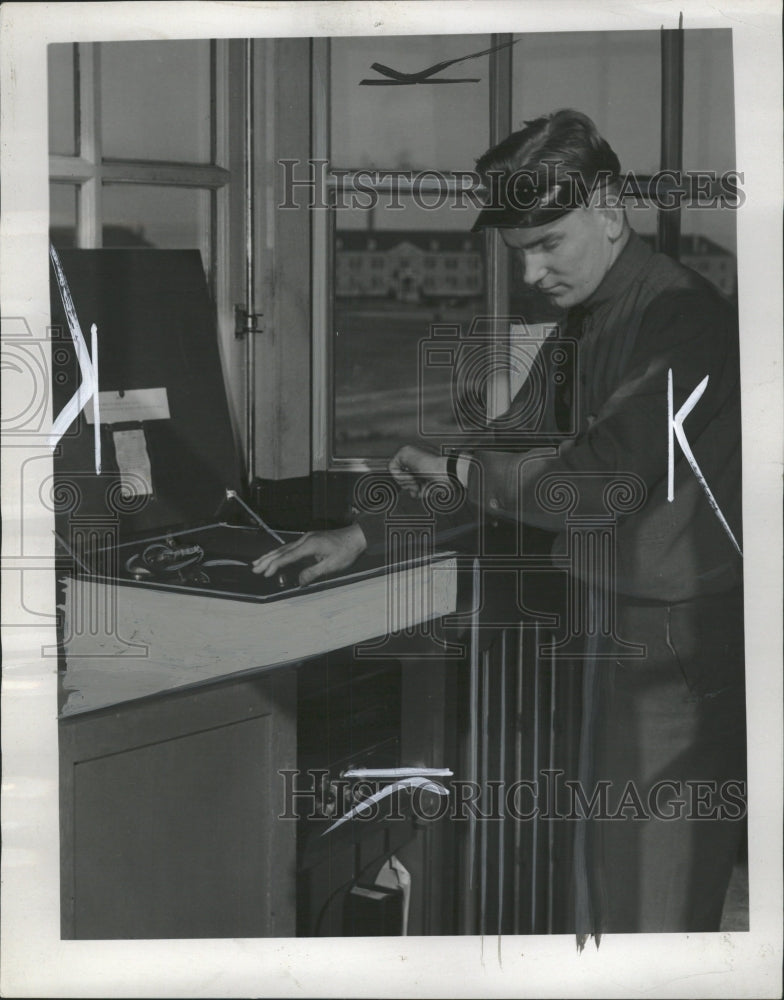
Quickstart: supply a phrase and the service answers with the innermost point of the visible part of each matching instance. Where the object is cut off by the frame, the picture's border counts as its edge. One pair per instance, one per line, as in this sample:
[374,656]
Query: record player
[158,546]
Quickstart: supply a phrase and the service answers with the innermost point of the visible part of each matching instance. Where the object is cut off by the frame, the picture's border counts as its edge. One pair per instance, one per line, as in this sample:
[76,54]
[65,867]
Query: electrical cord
[167,559]
[352,881]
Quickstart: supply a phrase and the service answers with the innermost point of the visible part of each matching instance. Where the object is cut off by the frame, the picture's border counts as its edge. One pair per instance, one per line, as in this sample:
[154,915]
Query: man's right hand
[413,468]
[333,551]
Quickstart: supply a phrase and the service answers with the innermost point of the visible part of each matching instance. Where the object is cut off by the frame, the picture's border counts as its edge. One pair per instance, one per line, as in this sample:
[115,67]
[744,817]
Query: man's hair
[567,138]
[554,165]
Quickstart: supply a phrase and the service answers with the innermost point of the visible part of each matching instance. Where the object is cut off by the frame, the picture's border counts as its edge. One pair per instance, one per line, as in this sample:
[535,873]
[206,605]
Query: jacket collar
[628,264]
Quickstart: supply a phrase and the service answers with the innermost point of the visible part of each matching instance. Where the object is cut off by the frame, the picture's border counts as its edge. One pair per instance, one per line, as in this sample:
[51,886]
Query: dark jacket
[649,316]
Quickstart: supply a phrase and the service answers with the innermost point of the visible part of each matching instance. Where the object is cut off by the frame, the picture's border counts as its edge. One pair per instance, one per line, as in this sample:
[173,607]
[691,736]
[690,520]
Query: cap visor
[514,218]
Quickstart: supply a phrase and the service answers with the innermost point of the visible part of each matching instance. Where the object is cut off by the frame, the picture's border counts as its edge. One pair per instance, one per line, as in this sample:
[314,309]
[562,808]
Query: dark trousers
[665,736]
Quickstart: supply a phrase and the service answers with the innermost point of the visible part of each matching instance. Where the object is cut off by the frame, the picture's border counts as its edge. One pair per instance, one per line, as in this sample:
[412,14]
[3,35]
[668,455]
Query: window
[143,169]
[139,148]
[611,76]
[709,143]
[374,330]
[412,128]
[370,358]
[376,347]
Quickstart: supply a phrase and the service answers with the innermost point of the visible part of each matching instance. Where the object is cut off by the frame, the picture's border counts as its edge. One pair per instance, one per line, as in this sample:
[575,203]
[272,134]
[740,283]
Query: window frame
[222,232]
[88,170]
[496,281]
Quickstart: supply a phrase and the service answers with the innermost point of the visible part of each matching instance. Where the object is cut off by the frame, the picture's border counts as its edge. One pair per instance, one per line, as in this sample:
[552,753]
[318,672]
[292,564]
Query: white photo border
[35,961]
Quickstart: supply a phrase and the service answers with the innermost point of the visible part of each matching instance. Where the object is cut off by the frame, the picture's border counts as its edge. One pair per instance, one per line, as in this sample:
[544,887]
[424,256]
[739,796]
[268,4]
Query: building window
[374,377]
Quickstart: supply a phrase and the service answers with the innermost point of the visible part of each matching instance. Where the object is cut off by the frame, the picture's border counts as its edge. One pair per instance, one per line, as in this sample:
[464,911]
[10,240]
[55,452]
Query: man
[654,406]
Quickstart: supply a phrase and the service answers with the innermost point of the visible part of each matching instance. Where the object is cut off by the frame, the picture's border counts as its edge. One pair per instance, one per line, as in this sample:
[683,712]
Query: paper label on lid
[130,448]
[130,406]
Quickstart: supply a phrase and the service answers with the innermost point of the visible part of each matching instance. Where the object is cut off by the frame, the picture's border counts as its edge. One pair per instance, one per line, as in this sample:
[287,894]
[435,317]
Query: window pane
[142,215]
[62,109]
[62,214]
[714,260]
[391,282]
[442,126]
[615,78]
[708,101]
[708,243]
[155,100]
[612,76]
[709,125]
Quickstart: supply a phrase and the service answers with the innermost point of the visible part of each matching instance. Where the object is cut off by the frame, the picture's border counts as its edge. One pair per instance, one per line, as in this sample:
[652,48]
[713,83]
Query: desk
[170,792]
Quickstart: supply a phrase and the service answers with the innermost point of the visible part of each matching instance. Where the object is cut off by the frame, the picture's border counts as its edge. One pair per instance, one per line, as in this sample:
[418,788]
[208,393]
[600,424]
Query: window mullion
[220,158]
[69,169]
[228,223]
[322,224]
[90,216]
[402,182]
[160,173]
[497,260]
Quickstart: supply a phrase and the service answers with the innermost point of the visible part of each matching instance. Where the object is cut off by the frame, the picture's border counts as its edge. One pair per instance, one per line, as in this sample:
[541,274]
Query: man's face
[565,259]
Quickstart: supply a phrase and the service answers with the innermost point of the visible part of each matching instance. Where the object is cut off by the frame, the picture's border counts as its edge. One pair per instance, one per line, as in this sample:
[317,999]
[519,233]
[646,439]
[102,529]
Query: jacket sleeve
[683,332]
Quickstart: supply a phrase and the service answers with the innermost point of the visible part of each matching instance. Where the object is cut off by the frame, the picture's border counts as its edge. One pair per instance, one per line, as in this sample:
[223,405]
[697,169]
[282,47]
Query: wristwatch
[451,468]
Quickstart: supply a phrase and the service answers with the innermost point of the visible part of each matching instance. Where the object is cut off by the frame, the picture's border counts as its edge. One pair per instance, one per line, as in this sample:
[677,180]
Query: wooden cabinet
[169,812]
[172,804]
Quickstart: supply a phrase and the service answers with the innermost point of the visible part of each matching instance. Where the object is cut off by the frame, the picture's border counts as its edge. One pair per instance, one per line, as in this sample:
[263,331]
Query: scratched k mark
[398,79]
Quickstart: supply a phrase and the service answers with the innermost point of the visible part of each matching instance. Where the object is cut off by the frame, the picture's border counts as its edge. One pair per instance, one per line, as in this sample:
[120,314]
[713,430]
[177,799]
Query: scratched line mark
[88,367]
[675,429]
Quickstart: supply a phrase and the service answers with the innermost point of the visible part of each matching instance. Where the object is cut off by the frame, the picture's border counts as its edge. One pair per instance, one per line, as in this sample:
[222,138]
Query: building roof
[454,240]
[426,240]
